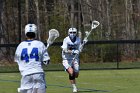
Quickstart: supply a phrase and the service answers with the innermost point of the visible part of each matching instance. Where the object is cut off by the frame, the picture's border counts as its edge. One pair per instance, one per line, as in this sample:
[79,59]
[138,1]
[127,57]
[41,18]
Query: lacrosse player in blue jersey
[30,55]
[70,55]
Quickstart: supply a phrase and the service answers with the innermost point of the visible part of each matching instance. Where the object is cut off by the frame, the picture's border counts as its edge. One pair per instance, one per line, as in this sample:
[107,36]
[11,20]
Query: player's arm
[64,47]
[17,52]
[70,51]
[46,57]
[80,46]
[66,50]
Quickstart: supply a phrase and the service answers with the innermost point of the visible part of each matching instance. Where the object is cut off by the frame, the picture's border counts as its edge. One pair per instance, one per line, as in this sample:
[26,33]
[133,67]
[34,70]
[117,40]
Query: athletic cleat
[75,90]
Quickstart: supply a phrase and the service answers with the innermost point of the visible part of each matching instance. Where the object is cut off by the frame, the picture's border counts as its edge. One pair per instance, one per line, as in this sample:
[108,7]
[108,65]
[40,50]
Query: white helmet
[72,33]
[72,30]
[30,28]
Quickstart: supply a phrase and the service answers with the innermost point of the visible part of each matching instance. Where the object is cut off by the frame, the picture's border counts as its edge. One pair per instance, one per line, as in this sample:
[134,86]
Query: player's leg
[72,78]
[76,74]
[76,68]
[22,90]
[30,91]
[39,83]
[43,90]
[26,91]
[70,71]
[26,84]
[38,90]
[68,66]
[73,82]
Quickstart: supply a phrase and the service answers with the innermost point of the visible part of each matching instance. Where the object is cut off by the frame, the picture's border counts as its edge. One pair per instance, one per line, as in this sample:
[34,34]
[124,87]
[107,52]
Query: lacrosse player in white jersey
[70,48]
[30,55]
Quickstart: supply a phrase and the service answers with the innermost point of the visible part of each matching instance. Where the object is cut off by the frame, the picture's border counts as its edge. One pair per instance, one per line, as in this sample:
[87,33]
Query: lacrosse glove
[75,52]
[46,62]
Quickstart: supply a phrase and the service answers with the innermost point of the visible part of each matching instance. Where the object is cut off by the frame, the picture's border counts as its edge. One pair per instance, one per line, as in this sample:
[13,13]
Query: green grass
[89,81]
[83,66]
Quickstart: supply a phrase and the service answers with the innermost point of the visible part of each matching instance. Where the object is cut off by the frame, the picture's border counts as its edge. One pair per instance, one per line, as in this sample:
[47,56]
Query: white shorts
[33,81]
[68,63]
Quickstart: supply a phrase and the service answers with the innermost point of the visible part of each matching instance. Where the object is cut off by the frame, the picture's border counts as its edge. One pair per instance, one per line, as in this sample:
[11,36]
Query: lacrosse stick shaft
[81,47]
[47,46]
[94,25]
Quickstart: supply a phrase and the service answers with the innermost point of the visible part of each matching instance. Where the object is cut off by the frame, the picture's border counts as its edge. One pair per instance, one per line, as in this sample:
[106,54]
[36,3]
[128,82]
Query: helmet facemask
[72,33]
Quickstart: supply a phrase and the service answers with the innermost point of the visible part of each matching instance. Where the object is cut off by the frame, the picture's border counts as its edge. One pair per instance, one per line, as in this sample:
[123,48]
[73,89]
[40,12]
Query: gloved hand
[85,40]
[46,62]
[75,51]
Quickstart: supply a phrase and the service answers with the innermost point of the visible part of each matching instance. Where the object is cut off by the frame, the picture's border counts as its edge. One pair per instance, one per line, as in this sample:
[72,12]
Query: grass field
[89,81]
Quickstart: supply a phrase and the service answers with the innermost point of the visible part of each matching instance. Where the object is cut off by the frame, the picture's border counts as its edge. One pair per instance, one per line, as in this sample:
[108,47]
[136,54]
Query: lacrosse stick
[53,34]
[94,25]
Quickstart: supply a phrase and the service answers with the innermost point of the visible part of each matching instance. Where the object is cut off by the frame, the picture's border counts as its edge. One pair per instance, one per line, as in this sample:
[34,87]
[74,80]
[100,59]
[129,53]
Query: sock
[73,85]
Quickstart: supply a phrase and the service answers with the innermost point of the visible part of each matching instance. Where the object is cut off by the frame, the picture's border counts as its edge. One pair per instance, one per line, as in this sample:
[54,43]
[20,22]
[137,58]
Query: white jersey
[29,55]
[69,45]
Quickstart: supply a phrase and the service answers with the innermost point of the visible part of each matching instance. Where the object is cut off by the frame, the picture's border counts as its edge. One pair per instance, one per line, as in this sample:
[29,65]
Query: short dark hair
[30,34]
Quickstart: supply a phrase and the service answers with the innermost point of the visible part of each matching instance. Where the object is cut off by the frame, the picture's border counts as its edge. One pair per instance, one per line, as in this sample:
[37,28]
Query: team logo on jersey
[29,44]
[72,46]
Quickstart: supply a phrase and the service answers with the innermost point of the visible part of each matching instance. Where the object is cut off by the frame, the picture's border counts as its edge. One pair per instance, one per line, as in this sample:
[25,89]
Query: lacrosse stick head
[53,34]
[94,24]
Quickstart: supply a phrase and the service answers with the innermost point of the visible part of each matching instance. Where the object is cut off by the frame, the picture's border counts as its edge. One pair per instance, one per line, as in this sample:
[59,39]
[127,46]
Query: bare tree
[38,18]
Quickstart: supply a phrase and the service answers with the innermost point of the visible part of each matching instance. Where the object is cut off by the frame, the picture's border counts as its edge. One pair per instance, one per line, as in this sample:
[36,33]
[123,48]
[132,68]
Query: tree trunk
[38,19]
